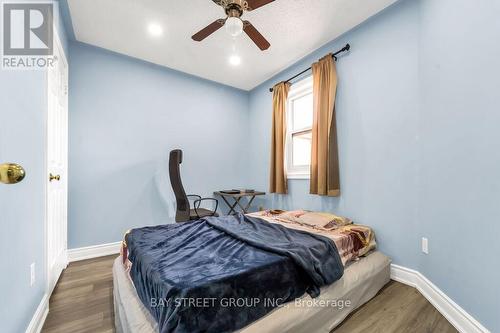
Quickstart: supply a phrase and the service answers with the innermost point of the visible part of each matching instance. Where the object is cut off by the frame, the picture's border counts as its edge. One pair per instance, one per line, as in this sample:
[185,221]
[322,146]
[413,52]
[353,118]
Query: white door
[57,165]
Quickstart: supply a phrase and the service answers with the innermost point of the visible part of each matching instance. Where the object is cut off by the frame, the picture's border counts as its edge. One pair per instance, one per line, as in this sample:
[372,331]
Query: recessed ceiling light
[155,29]
[235,60]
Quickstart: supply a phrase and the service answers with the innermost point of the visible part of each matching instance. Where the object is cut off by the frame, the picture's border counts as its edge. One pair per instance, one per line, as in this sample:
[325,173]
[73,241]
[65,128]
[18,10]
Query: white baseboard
[39,317]
[457,316]
[36,323]
[95,251]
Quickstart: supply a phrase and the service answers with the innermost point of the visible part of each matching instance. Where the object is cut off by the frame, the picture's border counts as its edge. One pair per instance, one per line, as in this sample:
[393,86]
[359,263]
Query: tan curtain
[278,181]
[324,155]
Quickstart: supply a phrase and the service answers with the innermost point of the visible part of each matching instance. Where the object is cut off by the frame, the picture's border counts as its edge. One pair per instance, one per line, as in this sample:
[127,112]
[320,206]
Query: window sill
[304,176]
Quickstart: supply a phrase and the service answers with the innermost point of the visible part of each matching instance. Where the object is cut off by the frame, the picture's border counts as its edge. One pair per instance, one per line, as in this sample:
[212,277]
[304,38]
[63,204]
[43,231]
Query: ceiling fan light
[234,26]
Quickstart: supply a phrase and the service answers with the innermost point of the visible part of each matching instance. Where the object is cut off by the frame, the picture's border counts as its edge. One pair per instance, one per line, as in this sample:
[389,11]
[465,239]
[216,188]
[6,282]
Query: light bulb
[234,26]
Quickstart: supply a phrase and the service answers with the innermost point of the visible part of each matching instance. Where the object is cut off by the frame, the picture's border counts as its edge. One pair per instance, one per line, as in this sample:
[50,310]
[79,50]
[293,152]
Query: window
[299,129]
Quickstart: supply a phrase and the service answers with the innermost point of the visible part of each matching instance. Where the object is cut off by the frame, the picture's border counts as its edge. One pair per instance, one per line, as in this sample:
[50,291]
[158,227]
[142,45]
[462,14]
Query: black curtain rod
[347,47]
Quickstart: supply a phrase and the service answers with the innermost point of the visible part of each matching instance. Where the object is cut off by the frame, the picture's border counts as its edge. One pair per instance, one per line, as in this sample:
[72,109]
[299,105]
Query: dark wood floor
[83,302]
[397,308]
[83,299]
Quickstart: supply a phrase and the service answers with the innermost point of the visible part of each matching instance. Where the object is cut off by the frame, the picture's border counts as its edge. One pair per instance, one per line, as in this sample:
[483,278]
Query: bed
[354,275]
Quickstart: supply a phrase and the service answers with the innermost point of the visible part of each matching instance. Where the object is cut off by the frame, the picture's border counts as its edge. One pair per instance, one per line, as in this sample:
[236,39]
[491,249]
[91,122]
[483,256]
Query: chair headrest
[176,155]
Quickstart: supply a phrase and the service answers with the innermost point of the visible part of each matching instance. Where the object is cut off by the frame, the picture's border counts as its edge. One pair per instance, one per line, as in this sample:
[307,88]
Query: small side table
[236,197]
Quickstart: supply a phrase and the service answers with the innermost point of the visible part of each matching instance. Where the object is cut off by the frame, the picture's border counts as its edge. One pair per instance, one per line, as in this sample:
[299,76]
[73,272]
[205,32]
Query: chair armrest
[205,199]
[198,197]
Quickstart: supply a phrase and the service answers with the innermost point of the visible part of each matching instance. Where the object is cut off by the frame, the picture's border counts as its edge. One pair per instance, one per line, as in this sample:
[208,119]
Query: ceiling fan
[234,24]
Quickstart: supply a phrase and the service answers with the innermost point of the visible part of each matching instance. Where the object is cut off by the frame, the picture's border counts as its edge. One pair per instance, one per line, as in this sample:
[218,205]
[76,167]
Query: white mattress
[361,282]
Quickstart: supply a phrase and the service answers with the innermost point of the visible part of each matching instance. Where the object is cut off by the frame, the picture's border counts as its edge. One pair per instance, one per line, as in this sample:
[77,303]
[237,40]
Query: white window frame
[298,90]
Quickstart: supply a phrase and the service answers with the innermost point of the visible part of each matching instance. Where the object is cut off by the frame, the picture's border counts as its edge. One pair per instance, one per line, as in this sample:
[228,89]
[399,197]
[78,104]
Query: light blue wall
[23,111]
[126,115]
[418,138]
[417,112]
[22,206]
[459,192]
[377,112]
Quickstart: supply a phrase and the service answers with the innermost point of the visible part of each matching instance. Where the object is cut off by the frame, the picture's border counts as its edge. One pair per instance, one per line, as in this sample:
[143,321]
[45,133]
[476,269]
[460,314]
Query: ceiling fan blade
[256,36]
[254,4]
[207,31]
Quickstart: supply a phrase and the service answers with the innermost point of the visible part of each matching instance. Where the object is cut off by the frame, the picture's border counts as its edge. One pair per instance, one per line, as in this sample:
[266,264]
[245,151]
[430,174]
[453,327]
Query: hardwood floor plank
[82,302]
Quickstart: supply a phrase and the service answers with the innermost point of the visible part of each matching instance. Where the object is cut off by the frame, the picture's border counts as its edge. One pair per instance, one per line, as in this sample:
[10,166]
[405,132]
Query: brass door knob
[11,173]
[54,177]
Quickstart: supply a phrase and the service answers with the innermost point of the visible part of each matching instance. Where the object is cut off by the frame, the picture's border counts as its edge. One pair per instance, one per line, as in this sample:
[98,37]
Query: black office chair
[184,212]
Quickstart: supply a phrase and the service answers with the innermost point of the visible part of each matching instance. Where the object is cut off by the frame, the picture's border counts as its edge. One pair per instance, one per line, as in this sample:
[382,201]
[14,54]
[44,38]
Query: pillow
[316,219]
[292,215]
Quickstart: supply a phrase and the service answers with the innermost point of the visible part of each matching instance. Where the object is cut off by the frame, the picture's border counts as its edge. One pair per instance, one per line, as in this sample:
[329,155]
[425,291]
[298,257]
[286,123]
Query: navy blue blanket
[221,274]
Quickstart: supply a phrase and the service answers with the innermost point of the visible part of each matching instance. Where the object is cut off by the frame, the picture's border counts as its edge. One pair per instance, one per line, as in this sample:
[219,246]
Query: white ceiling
[294,28]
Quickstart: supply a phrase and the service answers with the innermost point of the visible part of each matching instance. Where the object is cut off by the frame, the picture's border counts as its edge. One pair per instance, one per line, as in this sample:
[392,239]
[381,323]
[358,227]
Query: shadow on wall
[164,189]
[134,196]
[300,189]
[152,202]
